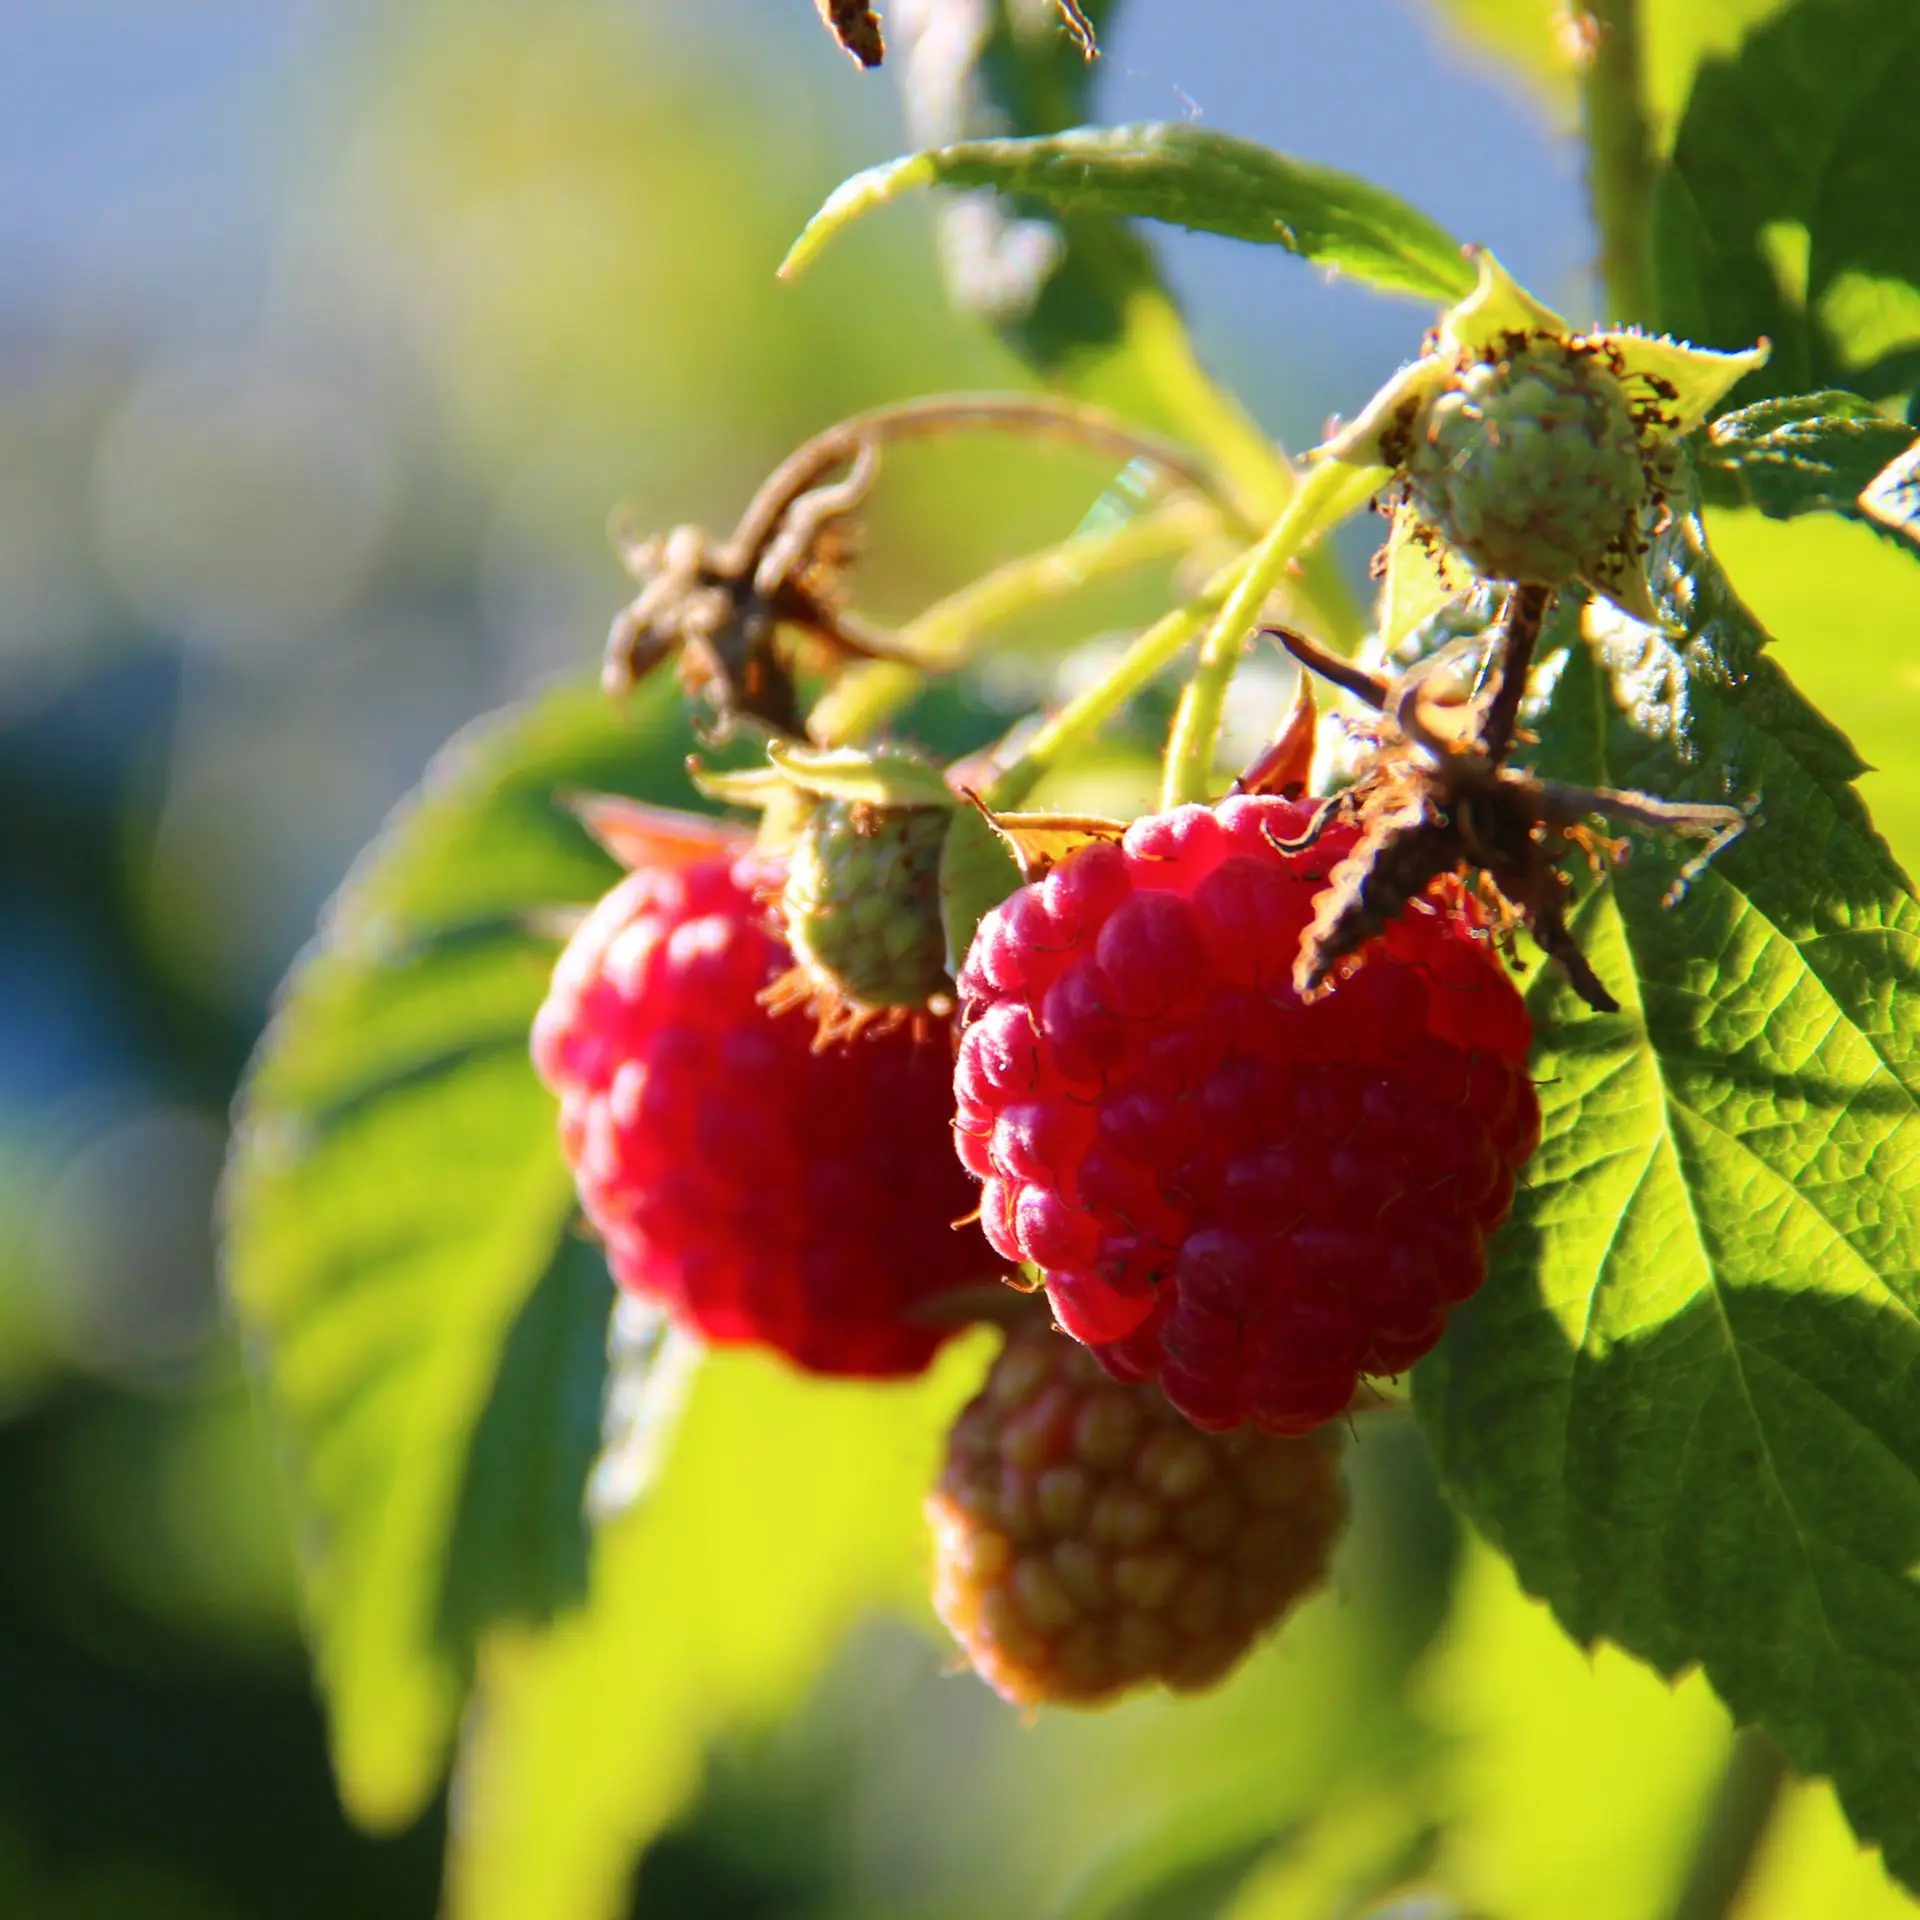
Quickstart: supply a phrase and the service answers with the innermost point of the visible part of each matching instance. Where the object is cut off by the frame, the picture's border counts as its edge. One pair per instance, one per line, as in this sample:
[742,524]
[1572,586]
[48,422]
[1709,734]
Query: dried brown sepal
[722,606]
[1285,764]
[839,1021]
[857,28]
[1437,803]
[1040,841]
[639,835]
[1074,19]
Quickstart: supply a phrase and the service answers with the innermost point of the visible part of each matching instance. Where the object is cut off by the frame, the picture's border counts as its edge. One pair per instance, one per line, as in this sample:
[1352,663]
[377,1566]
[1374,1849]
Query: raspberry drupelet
[1250,1198]
[1087,1540]
[761,1190]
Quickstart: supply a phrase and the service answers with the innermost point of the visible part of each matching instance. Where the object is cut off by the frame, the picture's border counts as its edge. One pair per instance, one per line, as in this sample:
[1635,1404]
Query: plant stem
[1148,657]
[1736,1822]
[939,638]
[1328,490]
[1620,162]
[1259,475]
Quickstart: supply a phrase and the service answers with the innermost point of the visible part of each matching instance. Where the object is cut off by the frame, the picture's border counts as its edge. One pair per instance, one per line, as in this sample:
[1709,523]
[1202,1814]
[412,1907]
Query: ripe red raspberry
[1251,1199]
[1088,1539]
[762,1191]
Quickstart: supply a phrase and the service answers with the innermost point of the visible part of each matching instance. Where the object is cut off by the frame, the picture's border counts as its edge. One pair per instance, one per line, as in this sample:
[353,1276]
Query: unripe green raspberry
[1088,1540]
[1530,465]
[862,903]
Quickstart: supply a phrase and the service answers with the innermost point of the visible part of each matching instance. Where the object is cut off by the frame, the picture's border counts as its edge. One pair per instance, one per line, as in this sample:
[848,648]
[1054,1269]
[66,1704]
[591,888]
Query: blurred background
[330,333]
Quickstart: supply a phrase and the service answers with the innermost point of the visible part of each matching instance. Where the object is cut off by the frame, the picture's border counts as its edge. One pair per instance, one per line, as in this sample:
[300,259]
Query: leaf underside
[425,1321]
[1190,176]
[1815,453]
[1685,1401]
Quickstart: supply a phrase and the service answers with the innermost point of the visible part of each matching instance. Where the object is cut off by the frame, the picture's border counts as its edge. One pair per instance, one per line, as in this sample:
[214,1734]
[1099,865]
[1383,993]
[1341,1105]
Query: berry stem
[1046,415]
[1620,162]
[1148,657]
[1526,613]
[1327,494]
[1733,1828]
[939,638]
[1257,472]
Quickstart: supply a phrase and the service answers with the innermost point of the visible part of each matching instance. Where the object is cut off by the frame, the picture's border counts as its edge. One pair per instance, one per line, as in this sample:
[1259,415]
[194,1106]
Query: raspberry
[1251,1198]
[1530,465]
[1088,1540]
[764,1192]
[862,903]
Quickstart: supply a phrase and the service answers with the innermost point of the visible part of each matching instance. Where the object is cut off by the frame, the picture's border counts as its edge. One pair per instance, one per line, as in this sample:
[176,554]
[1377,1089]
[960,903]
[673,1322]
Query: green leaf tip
[859,194]
[1186,176]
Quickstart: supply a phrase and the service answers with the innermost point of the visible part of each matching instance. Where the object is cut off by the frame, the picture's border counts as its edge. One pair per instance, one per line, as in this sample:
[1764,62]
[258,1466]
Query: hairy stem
[1257,472]
[1328,492]
[1046,415]
[1736,1823]
[1620,161]
[1526,614]
[946,633]
[1142,663]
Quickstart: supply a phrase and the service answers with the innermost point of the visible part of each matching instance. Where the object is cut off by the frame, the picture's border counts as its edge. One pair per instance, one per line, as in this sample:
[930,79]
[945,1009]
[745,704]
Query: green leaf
[1058,287]
[1812,453]
[1525,1783]
[1891,499]
[1076,292]
[1188,176]
[1683,1404]
[401,1250]
[1675,37]
[1786,209]
[793,1506]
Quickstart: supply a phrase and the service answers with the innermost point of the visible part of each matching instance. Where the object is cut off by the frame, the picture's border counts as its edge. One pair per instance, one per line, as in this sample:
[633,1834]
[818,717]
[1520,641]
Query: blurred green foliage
[520,268]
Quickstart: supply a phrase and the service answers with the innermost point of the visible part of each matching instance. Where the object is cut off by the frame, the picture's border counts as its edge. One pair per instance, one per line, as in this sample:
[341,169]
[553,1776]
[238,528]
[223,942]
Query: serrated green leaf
[399,1236]
[1891,499]
[1683,1404]
[793,1506]
[1786,208]
[1188,176]
[1811,453]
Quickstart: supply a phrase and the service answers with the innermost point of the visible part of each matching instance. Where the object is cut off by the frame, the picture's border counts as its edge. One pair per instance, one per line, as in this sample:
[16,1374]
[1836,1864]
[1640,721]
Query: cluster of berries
[1244,1087]
[1239,1201]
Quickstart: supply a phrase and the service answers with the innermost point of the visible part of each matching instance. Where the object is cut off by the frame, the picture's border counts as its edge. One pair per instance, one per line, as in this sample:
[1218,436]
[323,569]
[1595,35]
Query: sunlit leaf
[1539,39]
[792,1506]
[1812,453]
[1074,291]
[1843,607]
[1786,211]
[401,1247]
[1525,1785]
[1188,176]
[1683,1404]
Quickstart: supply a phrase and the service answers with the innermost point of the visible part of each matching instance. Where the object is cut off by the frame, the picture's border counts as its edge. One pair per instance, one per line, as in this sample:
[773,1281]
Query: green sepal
[883,779]
[977,872]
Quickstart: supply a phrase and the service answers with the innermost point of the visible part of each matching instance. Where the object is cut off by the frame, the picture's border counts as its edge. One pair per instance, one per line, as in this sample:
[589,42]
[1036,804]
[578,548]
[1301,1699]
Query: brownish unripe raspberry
[1088,1540]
